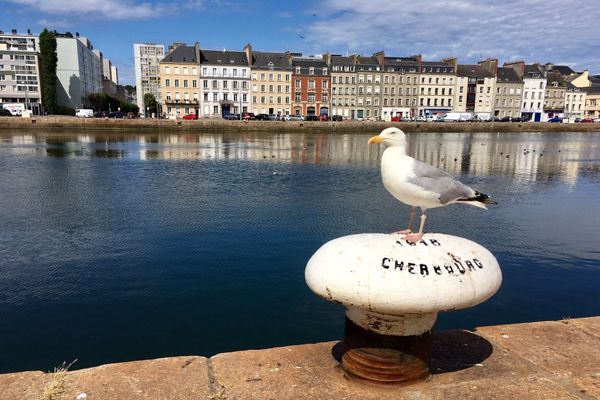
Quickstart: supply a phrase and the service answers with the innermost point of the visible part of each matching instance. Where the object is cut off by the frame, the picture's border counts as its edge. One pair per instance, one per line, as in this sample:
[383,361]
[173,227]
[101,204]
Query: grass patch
[55,386]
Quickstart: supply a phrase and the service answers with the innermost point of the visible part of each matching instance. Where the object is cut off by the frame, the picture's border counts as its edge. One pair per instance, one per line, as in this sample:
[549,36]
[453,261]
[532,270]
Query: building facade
[592,102]
[343,85]
[19,70]
[574,102]
[225,79]
[509,93]
[436,87]
[534,89]
[368,91]
[554,100]
[311,83]
[475,89]
[179,74]
[147,57]
[400,86]
[271,82]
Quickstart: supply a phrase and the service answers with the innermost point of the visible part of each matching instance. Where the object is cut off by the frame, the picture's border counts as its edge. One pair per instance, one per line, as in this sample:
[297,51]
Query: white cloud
[537,30]
[104,9]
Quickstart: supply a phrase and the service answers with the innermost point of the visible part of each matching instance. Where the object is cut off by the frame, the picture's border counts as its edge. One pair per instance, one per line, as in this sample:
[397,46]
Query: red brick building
[311,85]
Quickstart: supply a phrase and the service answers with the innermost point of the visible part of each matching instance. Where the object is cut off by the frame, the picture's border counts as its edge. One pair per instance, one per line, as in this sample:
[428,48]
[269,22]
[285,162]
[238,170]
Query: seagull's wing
[435,180]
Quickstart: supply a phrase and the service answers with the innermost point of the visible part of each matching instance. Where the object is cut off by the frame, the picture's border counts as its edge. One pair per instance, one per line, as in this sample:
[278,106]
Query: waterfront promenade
[541,360]
[67,124]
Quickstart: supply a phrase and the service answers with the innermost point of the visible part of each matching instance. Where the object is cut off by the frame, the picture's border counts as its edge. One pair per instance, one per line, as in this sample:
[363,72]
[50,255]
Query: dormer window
[298,70]
[311,71]
[324,71]
[271,65]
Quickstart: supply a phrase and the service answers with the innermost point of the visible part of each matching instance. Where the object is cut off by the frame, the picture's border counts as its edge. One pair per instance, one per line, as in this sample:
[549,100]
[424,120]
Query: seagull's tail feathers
[478,200]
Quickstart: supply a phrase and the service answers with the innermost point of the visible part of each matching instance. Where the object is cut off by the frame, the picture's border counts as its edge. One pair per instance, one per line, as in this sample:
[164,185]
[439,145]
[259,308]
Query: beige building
[400,86]
[271,82]
[574,102]
[179,74]
[508,90]
[592,102]
[475,90]
[436,87]
[343,85]
[554,101]
[368,90]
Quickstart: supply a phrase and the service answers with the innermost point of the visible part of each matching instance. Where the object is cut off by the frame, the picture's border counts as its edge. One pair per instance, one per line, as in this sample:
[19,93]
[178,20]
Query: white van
[457,117]
[84,113]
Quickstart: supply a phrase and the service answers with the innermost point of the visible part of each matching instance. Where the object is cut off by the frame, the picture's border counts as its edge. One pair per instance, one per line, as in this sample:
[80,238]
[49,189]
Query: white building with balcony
[225,83]
[19,71]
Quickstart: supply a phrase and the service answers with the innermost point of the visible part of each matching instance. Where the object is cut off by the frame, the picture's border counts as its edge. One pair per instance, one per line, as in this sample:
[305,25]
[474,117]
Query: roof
[591,90]
[533,71]
[224,57]
[563,69]
[401,64]
[263,59]
[473,71]
[555,77]
[305,64]
[341,60]
[437,67]
[182,54]
[507,75]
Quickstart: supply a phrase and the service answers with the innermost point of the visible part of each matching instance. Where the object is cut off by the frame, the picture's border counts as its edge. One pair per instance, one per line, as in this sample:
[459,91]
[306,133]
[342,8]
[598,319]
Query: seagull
[418,184]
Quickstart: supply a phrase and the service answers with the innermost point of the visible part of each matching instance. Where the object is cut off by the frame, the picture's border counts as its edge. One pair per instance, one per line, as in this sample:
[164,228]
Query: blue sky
[559,31]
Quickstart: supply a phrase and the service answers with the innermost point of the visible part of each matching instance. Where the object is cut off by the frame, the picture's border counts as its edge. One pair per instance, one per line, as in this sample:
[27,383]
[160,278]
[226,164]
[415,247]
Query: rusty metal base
[385,360]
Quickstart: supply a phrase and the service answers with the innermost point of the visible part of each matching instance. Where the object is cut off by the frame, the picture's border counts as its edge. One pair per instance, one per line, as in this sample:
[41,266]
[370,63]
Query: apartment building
[575,98]
[19,70]
[475,89]
[534,89]
[179,73]
[592,102]
[311,83]
[343,85]
[509,93]
[147,57]
[400,85]
[78,70]
[436,87]
[225,83]
[554,99]
[271,82]
[368,90]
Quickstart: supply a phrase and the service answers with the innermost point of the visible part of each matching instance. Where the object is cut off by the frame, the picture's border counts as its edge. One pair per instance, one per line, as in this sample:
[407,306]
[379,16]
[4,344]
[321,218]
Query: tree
[48,70]
[130,89]
[149,102]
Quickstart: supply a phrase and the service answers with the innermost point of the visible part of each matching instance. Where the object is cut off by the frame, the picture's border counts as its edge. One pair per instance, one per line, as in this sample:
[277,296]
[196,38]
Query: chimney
[76,34]
[490,65]
[518,66]
[452,61]
[197,52]
[419,59]
[327,58]
[248,51]
[14,31]
[380,55]
[29,31]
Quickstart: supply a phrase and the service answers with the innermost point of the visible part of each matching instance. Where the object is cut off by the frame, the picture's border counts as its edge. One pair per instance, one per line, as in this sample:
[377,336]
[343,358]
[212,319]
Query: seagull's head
[390,137]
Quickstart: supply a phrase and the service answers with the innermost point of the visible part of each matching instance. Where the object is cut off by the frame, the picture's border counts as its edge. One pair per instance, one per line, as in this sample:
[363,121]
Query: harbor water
[117,247]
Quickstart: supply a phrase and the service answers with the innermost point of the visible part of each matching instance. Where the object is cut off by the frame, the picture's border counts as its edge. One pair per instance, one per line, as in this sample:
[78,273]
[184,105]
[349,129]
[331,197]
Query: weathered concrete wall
[542,360]
[65,123]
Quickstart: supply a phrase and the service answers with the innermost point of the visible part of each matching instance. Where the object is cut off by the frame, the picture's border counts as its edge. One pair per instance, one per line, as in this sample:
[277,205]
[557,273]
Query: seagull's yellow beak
[376,139]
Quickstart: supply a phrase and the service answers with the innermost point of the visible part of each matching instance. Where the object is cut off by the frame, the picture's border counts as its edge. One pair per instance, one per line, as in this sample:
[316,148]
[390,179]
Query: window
[185,70]
[298,99]
[324,86]
[298,84]
[185,83]
[176,70]
[311,84]
[311,97]
[311,70]
[167,82]
[167,70]
[194,83]
[176,82]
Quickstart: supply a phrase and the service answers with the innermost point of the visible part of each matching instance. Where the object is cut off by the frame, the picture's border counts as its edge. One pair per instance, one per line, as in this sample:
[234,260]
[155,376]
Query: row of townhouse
[81,70]
[213,83]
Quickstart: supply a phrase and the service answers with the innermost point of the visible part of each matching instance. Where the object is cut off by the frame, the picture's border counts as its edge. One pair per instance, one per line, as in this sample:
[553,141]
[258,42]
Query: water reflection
[524,156]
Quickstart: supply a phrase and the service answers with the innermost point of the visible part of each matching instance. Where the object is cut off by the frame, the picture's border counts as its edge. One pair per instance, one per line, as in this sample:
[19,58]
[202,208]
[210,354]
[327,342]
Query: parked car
[587,120]
[272,117]
[421,118]
[115,114]
[248,116]
[262,117]
[231,117]
[323,117]
[337,118]
[555,119]
[190,116]
[101,114]
[296,118]
[311,118]
[5,113]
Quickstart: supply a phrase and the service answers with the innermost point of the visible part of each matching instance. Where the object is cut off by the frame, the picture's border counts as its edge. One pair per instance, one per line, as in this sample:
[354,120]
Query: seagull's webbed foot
[413,237]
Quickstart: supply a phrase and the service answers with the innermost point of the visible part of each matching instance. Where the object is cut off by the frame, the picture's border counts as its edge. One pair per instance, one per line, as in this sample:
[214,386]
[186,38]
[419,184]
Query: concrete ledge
[67,123]
[541,360]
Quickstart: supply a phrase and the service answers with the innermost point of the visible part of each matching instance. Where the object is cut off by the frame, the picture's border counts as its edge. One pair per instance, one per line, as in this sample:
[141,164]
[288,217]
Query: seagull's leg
[415,237]
[410,222]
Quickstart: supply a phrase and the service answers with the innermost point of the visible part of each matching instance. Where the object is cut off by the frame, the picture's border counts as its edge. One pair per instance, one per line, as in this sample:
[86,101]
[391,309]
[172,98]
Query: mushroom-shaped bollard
[393,290]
